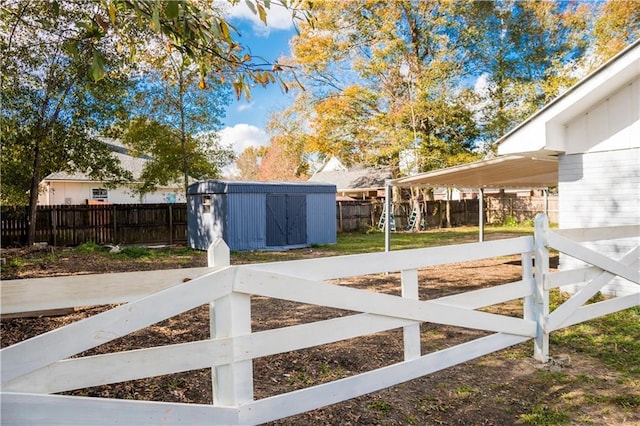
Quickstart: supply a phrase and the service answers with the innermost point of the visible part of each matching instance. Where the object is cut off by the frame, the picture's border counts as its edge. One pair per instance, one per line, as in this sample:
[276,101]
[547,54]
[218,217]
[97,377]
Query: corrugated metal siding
[203,228]
[239,214]
[600,189]
[246,221]
[321,219]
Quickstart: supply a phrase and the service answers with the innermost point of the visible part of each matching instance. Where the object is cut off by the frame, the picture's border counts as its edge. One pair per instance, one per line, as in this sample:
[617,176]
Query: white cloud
[242,136]
[245,106]
[278,17]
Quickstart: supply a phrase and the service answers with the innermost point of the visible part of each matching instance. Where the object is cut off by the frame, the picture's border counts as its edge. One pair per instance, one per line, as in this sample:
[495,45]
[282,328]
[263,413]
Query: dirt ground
[504,388]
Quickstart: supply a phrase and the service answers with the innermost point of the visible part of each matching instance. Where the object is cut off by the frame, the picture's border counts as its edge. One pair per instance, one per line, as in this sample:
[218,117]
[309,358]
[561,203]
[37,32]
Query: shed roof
[213,186]
[509,171]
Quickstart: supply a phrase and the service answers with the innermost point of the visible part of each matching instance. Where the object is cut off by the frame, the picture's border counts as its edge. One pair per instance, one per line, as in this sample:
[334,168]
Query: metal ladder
[412,219]
[383,218]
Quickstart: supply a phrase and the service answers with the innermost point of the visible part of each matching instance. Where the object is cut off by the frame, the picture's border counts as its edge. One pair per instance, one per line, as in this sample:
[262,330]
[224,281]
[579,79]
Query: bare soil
[504,388]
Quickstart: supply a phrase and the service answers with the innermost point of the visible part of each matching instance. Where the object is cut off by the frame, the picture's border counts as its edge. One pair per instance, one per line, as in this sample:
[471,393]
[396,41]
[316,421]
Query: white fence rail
[35,369]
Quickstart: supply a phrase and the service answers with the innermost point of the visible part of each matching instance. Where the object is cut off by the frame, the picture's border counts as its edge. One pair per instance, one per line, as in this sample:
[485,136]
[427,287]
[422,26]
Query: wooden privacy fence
[34,369]
[63,225]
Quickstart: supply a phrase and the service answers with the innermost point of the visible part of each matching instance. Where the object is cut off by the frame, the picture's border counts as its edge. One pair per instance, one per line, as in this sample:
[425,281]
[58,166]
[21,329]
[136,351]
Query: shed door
[286,219]
[297,219]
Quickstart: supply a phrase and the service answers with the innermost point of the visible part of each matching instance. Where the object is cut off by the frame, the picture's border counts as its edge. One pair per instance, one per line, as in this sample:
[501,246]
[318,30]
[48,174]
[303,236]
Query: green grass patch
[613,339]
[543,415]
[380,406]
[353,243]
[89,248]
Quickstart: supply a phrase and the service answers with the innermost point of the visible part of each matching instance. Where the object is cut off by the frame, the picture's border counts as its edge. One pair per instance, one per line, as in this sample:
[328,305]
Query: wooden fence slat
[570,276]
[76,373]
[393,261]
[598,309]
[488,296]
[76,224]
[88,333]
[38,294]
[319,293]
[564,311]
[284,405]
[576,250]
[599,233]
[29,409]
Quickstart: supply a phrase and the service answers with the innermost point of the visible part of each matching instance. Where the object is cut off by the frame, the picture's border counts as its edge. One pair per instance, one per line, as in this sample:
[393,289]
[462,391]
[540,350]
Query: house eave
[543,130]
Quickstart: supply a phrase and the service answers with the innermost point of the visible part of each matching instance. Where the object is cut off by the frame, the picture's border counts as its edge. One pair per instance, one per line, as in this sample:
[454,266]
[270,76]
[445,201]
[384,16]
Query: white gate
[33,370]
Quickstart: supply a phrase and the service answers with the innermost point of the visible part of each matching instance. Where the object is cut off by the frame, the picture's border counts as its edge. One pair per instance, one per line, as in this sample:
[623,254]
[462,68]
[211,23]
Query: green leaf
[171,9]
[71,47]
[97,66]
[155,19]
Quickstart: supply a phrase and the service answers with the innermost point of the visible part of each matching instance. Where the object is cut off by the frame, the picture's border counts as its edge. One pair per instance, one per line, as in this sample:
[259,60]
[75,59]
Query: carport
[508,171]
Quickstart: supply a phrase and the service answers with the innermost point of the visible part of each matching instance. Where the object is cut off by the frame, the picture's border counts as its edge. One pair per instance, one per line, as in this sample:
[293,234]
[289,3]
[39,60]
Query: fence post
[230,316]
[540,295]
[170,225]
[411,332]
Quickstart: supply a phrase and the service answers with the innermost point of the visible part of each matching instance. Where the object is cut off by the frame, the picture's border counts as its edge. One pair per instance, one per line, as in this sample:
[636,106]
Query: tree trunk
[33,195]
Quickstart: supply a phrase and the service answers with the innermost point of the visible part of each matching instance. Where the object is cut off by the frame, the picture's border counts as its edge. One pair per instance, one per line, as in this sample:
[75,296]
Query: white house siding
[611,124]
[54,193]
[599,176]
[601,189]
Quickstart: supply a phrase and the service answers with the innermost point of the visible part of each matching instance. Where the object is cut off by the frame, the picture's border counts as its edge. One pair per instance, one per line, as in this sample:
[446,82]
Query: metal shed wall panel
[245,224]
[203,228]
[321,219]
[304,214]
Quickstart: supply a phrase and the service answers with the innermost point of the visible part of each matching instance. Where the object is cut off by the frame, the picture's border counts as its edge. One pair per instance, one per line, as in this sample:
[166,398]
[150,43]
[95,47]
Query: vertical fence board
[70,225]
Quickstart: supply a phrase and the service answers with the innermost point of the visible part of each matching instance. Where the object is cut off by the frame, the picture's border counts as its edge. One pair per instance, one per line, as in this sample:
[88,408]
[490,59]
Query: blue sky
[246,119]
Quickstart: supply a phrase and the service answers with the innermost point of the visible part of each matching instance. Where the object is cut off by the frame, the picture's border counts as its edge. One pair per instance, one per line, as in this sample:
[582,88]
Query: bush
[510,222]
[89,247]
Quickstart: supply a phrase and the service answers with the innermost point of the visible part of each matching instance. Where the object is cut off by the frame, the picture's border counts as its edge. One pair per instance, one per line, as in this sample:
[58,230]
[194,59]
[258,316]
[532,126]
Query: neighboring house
[357,183]
[78,188]
[594,131]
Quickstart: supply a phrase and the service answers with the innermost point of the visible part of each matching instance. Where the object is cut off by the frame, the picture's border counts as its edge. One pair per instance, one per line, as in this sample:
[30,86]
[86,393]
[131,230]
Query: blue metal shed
[261,215]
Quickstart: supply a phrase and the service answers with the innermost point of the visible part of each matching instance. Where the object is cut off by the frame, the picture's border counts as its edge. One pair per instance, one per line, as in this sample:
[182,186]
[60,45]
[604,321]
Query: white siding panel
[601,189]
[611,124]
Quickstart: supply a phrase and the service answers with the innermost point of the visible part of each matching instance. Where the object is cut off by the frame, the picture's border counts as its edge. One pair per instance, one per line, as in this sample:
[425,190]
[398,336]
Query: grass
[545,415]
[614,339]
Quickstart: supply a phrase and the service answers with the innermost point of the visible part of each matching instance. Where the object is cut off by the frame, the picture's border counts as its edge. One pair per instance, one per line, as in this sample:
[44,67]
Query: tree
[175,122]
[63,77]
[174,156]
[50,109]
[383,79]
[521,49]
[249,161]
[386,78]
[617,26]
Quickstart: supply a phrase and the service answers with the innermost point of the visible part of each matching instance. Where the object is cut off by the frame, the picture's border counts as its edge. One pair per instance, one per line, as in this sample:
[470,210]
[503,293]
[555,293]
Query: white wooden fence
[37,368]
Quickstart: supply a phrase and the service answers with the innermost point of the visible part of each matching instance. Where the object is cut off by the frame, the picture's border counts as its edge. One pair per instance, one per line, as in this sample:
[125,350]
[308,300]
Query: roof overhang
[544,130]
[509,171]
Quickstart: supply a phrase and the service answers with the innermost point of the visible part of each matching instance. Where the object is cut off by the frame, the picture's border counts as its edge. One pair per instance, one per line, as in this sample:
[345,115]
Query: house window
[99,194]
[206,204]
